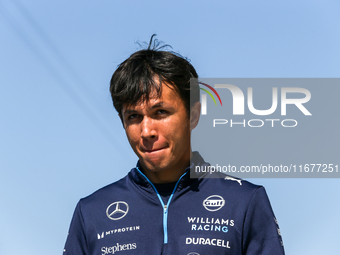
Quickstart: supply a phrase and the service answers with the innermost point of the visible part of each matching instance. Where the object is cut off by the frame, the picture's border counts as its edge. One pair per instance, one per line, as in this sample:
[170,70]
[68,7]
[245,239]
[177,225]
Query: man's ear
[195,112]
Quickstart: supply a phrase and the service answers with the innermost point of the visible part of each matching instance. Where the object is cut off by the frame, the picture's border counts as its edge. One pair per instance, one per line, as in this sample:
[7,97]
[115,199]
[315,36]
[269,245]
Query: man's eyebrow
[159,104]
[129,111]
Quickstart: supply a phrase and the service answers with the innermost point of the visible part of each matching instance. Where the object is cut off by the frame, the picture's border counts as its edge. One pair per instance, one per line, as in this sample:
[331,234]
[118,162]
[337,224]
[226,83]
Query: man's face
[159,132]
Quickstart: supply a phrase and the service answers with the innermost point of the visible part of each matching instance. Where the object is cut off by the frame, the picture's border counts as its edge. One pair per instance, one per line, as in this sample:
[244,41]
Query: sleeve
[260,231]
[76,243]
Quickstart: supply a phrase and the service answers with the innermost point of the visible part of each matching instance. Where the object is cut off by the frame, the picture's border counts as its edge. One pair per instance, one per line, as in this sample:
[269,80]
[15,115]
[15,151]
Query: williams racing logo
[213,203]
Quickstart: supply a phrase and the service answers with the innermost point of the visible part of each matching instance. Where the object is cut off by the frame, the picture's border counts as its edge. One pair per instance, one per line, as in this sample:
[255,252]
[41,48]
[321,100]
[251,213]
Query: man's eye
[133,116]
[161,112]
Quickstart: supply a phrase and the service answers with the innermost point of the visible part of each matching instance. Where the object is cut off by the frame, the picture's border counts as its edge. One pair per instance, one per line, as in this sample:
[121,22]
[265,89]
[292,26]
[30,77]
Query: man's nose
[148,128]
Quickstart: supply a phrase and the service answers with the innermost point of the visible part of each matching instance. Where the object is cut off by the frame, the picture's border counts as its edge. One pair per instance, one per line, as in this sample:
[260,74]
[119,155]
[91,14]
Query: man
[157,208]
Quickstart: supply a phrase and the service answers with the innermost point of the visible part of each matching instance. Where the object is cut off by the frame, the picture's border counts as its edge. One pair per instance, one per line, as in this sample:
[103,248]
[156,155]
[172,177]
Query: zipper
[165,207]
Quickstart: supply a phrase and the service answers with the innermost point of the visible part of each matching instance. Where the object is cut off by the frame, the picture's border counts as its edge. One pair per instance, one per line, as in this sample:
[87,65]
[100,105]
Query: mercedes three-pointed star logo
[117,210]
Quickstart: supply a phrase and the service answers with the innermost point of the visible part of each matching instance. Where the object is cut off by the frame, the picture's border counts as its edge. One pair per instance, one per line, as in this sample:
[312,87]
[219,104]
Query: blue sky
[61,139]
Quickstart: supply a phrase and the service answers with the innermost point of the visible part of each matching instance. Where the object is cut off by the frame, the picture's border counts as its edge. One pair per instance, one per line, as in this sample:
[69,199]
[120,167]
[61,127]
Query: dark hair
[145,71]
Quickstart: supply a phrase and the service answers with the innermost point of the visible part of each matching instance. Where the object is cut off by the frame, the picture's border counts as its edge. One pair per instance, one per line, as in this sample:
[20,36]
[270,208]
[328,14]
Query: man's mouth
[154,150]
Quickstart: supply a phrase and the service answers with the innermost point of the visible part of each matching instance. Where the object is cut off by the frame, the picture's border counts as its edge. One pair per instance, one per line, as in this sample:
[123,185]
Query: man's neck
[166,176]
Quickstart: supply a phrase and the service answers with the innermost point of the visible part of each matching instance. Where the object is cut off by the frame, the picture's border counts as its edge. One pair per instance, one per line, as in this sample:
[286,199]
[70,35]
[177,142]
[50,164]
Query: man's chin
[155,162]
[154,168]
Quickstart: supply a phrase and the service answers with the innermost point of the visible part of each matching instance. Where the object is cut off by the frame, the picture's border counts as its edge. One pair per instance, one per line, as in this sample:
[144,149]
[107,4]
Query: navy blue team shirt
[200,216]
